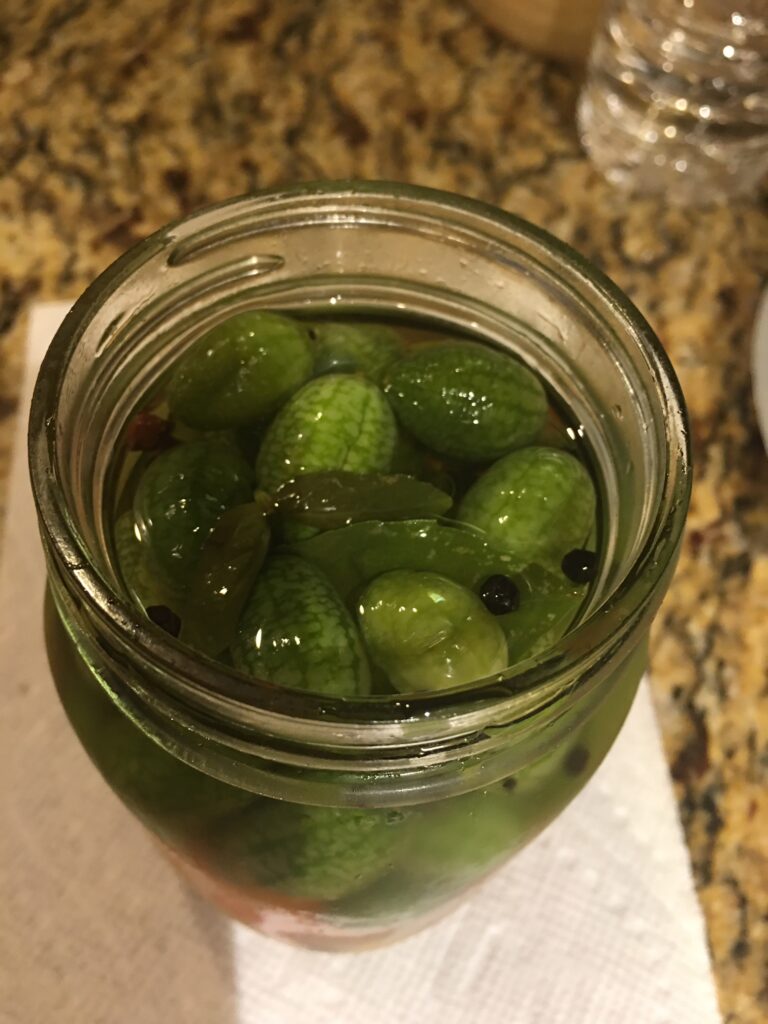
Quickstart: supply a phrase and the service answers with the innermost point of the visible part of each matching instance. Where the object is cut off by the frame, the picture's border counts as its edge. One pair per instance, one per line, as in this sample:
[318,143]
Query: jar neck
[388,759]
[372,247]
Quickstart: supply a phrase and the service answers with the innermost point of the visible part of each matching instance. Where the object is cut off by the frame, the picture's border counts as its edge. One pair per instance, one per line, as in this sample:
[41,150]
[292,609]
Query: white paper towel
[596,922]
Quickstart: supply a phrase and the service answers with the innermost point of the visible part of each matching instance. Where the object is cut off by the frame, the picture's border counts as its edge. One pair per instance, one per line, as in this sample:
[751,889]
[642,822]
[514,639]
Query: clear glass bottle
[243,782]
[676,97]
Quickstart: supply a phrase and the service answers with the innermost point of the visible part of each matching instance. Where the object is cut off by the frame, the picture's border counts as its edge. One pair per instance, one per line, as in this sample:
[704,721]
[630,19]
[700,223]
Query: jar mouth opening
[214,688]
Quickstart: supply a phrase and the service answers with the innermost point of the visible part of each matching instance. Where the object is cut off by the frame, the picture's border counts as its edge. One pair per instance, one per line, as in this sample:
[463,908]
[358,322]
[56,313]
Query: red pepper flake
[148,433]
[272,912]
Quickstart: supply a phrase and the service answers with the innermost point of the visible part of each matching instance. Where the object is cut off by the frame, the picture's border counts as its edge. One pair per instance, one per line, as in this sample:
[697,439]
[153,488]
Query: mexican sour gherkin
[537,504]
[295,631]
[240,372]
[336,422]
[429,633]
[466,401]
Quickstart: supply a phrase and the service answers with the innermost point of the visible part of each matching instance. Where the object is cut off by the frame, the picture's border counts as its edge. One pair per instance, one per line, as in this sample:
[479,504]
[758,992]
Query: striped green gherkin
[338,422]
[295,631]
[466,401]
[535,504]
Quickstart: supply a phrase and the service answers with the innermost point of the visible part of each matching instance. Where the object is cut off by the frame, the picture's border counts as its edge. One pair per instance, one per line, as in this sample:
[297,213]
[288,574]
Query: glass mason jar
[343,823]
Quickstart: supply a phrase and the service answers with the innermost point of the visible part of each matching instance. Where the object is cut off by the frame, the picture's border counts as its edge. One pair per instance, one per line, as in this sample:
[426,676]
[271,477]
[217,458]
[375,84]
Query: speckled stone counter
[117,118]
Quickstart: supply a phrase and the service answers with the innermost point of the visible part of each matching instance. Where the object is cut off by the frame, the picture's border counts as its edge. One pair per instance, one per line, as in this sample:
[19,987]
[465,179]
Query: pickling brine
[328,505]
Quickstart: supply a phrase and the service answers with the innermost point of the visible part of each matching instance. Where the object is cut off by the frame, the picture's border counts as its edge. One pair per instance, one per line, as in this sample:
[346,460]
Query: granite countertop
[118,118]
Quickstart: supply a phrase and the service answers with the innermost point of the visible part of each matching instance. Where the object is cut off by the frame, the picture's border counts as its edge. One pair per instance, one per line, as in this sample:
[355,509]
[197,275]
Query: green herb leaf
[353,555]
[230,561]
[329,500]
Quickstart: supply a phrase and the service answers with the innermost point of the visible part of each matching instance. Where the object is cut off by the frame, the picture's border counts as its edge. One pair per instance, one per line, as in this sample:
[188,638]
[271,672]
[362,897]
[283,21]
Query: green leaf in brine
[354,555]
[332,499]
[549,603]
[230,561]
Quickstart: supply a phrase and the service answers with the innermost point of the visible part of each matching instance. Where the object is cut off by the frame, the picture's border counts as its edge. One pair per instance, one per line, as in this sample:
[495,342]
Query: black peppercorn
[580,565]
[148,433]
[500,595]
[576,760]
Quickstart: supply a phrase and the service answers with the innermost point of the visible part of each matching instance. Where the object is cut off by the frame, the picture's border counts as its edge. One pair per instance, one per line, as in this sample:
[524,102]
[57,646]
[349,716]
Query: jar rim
[366,721]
